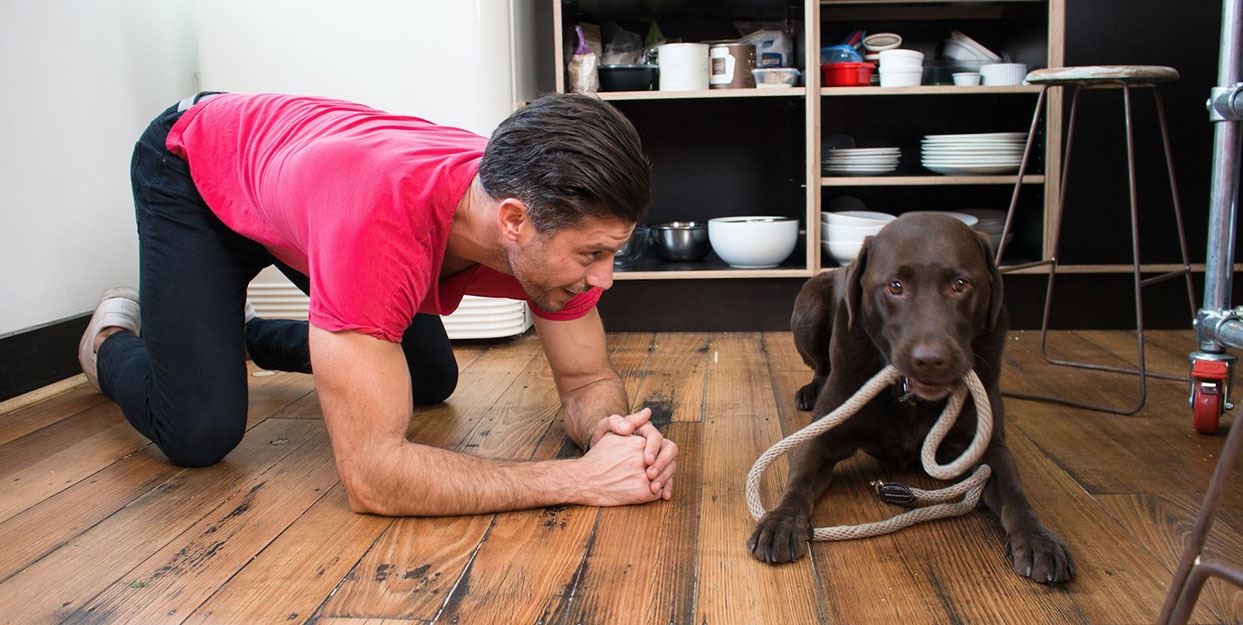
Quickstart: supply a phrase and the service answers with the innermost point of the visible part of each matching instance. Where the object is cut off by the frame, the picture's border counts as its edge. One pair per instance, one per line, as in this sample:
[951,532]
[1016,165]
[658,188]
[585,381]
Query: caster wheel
[1206,408]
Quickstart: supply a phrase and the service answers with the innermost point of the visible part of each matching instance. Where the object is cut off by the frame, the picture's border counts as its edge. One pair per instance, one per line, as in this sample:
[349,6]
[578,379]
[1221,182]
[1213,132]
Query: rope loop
[930,504]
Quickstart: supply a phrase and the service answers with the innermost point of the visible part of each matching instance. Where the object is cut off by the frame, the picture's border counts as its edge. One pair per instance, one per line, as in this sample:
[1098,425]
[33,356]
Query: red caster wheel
[1208,394]
[1206,407]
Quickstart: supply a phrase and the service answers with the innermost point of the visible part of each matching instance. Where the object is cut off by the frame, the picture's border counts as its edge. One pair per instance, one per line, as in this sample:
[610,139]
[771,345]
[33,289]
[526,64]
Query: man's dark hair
[566,157]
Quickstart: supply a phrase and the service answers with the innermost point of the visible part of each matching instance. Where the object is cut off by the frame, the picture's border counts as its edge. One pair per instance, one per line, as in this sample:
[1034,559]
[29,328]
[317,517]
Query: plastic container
[846,74]
[775,77]
[901,77]
[840,54]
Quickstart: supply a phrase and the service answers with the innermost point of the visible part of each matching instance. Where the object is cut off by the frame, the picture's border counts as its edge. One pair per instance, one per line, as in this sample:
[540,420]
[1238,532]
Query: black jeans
[183,383]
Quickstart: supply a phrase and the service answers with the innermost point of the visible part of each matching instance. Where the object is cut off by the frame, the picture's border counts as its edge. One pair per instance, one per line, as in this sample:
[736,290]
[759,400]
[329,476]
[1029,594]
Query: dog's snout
[930,359]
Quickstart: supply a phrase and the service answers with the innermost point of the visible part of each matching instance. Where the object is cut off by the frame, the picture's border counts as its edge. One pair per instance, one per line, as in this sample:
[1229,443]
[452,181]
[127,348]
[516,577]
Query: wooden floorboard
[97,527]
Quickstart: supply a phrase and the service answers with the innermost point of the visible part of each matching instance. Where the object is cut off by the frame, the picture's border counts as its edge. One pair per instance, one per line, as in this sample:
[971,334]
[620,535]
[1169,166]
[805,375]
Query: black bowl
[628,77]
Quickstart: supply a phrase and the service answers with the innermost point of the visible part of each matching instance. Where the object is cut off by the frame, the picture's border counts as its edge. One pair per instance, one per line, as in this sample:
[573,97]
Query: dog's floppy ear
[994,278]
[854,284]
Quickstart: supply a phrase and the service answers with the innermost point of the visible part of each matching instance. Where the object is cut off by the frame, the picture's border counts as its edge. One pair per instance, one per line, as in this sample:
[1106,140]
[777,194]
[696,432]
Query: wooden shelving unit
[820,103]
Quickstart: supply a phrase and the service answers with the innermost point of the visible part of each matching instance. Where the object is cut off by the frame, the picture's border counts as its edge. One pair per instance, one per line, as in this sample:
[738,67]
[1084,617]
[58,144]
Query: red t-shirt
[359,200]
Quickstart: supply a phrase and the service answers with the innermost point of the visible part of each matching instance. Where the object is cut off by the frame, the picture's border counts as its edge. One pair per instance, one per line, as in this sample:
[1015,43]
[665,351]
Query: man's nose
[600,275]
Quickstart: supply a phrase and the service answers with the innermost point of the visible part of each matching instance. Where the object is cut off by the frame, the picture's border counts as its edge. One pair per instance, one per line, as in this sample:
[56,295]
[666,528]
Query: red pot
[846,74]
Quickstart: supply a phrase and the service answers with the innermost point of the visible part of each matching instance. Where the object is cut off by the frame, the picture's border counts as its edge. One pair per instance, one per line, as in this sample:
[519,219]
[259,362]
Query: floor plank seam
[190,614]
[317,613]
[452,597]
[579,572]
[76,613]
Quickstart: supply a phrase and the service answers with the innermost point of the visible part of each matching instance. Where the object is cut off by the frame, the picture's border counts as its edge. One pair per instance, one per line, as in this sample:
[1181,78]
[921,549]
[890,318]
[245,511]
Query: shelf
[791,92]
[710,274]
[651,268]
[926,90]
[914,181]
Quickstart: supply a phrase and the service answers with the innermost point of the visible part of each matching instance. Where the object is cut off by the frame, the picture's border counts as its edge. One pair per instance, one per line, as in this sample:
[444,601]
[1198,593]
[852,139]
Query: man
[386,222]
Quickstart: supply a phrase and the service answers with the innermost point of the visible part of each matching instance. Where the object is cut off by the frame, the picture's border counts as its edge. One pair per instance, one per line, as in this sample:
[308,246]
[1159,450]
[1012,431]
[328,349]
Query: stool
[1125,78]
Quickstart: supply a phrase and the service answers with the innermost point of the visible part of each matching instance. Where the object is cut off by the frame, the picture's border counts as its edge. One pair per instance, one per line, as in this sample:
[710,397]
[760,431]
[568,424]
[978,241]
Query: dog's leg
[781,535]
[1035,551]
[812,325]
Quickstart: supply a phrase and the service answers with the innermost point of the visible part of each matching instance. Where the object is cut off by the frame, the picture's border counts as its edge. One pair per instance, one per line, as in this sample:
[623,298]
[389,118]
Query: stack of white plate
[973,154]
[991,223]
[842,232]
[861,161]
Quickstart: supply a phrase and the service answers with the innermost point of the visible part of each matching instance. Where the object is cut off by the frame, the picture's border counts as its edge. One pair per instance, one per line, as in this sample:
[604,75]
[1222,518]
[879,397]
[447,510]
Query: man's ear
[511,218]
[854,285]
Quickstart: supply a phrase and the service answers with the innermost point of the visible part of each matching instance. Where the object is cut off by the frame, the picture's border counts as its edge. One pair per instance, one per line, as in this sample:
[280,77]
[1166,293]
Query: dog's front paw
[780,536]
[807,395]
[1040,555]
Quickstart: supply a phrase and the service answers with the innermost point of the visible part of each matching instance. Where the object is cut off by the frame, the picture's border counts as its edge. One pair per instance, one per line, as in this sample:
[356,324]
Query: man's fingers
[668,490]
[658,484]
[638,419]
[668,451]
[653,439]
[620,425]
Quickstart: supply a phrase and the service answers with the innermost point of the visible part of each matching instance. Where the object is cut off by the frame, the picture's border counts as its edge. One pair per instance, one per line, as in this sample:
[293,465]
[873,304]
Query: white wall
[81,79]
[446,61]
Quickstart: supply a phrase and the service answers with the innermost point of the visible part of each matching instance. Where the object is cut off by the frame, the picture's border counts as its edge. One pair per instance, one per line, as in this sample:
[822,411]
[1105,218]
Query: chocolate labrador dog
[924,295]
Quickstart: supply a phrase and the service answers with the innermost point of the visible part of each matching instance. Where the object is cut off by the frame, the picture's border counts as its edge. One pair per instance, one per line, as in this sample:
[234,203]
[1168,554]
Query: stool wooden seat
[1125,79]
[1098,74]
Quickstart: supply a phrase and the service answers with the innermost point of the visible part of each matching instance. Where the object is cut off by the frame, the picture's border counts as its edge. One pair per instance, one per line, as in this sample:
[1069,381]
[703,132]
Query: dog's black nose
[929,359]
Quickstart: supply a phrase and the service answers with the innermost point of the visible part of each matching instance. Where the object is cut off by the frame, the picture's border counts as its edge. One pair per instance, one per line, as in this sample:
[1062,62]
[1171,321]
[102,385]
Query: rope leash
[934,502]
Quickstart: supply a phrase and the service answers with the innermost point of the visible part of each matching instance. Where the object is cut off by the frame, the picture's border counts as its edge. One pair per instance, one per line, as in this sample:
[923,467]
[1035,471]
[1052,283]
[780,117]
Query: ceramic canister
[731,66]
[683,66]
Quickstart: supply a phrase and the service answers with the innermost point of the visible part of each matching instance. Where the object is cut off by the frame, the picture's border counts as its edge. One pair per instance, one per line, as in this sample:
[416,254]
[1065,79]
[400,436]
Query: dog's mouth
[928,389]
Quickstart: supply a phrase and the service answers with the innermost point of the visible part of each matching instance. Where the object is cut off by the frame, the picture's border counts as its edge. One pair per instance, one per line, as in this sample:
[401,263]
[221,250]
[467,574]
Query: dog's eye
[894,288]
[961,285]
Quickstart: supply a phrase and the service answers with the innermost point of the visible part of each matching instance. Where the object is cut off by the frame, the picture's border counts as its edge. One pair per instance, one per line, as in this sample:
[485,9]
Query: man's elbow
[363,491]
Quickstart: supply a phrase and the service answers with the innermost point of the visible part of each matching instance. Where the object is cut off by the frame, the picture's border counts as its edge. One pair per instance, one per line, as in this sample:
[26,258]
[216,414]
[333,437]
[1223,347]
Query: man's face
[555,266]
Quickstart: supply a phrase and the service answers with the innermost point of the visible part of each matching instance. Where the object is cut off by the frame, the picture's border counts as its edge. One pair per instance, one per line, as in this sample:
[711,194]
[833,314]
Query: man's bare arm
[364,389]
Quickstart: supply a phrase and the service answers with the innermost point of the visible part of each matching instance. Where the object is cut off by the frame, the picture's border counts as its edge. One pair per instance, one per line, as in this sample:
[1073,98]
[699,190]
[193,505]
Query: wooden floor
[96,527]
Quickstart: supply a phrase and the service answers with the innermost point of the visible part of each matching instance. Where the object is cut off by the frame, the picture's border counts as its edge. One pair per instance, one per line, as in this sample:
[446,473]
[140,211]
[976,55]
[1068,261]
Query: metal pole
[1224,197]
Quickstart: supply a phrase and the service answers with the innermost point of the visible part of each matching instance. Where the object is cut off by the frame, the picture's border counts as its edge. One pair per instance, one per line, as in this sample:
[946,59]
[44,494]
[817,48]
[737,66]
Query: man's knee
[434,388]
[203,443]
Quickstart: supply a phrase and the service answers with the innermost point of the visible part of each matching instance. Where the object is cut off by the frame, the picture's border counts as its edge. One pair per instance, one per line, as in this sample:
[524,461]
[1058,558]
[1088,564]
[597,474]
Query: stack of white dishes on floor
[487,318]
[842,232]
[973,154]
[990,223]
[861,161]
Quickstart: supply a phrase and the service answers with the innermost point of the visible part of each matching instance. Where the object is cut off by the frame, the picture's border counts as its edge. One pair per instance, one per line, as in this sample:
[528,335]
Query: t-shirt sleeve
[578,306]
[369,269]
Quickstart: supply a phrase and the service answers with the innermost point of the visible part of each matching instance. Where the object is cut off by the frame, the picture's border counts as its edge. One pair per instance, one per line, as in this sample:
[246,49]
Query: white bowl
[839,232]
[966,79]
[899,57]
[901,77]
[877,42]
[753,242]
[856,218]
[1002,74]
[970,220]
[842,251]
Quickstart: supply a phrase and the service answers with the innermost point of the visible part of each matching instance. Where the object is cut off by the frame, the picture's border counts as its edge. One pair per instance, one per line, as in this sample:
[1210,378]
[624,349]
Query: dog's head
[923,289]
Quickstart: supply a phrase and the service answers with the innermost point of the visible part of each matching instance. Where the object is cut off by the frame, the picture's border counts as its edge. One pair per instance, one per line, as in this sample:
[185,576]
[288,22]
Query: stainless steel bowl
[680,241]
[634,248]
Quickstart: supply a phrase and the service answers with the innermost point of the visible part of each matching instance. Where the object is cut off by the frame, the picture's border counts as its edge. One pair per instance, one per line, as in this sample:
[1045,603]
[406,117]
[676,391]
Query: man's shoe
[116,308]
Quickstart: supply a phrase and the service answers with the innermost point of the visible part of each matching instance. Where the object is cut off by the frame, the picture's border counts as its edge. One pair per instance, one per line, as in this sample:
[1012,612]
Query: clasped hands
[632,459]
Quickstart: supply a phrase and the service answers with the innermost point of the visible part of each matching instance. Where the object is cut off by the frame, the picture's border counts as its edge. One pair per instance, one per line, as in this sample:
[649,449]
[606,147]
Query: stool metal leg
[1018,183]
[1178,207]
[1138,281]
